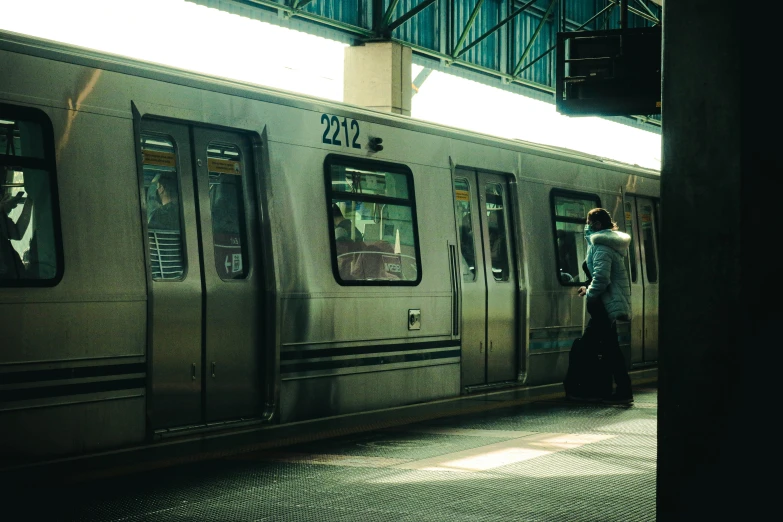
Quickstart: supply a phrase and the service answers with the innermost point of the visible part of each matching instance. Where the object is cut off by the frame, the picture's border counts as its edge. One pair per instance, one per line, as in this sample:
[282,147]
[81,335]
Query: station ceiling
[510,44]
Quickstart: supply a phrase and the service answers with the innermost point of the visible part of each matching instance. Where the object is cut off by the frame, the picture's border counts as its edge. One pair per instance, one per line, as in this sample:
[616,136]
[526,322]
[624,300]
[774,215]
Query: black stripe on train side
[361,358]
[60,382]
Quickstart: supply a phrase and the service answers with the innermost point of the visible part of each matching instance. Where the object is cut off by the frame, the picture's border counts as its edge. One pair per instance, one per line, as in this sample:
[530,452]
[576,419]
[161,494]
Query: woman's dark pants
[602,331]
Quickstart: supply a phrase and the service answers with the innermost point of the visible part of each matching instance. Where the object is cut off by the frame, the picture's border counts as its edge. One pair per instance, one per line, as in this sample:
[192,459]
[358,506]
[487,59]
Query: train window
[496,227]
[569,211]
[631,247]
[164,223]
[30,244]
[648,238]
[228,216]
[467,241]
[372,219]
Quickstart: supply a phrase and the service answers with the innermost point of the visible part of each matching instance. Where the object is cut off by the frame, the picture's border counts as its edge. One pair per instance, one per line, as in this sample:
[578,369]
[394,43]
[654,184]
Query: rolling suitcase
[588,376]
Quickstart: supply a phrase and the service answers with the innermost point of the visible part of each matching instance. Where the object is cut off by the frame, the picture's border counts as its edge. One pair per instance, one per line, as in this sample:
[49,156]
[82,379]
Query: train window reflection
[467,242]
[164,225]
[496,227]
[648,239]
[569,211]
[632,246]
[30,252]
[228,222]
[372,222]
[21,138]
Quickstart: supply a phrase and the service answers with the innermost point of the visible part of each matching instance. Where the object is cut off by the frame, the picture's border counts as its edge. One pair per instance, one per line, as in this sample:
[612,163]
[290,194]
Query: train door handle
[481,347]
[213,369]
[193,371]
[490,346]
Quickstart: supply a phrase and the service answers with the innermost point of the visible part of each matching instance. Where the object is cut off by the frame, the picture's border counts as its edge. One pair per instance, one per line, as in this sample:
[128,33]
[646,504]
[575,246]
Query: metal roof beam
[298,4]
[410,14]
[639,13]
[419,81]
[330,22]
[498,26]
[609,7]
[649,11]
[596,15]
[445,17]
[518,67]
[388,15]
[464,34]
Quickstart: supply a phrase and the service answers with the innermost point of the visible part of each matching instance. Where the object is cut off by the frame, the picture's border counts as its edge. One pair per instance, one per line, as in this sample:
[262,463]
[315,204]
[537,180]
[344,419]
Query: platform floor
[541,459]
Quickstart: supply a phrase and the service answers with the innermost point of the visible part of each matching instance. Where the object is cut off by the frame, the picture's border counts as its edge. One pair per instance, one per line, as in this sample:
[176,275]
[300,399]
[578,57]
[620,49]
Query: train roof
[50,49]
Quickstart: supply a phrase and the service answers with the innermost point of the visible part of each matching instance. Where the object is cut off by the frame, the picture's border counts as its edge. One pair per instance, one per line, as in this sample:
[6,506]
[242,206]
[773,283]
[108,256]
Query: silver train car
[169,263]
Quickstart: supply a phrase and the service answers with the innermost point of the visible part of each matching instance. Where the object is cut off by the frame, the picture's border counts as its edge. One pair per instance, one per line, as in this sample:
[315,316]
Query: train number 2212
[333,125]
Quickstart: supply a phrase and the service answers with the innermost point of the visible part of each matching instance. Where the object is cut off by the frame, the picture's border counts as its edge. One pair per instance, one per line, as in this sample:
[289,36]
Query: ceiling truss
[382,21]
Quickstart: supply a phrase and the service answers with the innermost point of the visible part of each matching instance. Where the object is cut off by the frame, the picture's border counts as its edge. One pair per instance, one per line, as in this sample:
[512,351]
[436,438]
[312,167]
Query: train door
[489,283]
[204,330]
[641,222]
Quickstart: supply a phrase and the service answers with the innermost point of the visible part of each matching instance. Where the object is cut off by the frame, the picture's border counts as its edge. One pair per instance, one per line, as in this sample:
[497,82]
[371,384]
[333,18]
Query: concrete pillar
[378,76]
[719,392]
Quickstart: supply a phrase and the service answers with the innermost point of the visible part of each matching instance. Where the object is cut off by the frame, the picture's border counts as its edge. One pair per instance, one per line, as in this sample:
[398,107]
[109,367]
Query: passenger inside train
[165,242]
[467,249]
[343,227]
[569,271]
[497,243]
[28,242]
[166,216]
[11,264]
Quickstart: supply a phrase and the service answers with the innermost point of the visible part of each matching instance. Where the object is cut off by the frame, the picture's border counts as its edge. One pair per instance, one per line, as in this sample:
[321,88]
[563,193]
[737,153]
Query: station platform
[522,454]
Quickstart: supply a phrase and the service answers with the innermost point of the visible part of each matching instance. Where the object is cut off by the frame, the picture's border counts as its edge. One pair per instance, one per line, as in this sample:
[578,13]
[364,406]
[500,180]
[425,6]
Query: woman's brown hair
[602,216]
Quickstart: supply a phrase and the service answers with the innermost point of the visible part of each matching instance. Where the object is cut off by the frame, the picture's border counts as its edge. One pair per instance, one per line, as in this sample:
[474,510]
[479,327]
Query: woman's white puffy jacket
[606,252]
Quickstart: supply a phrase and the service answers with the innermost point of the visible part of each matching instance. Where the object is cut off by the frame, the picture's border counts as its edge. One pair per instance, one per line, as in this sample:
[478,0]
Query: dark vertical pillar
[718,370]
[623,14]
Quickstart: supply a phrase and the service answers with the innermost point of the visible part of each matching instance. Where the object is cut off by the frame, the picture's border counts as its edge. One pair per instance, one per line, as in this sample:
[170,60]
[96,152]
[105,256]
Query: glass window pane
[571,249]
[648,237]
[496,227]
[372,224]
[347,218]
[21,138]
[573,207]
[379,249]
[362,181]
[161,185]
[631,247]
[467,242]
[570,214]
[228,219]
[29,250]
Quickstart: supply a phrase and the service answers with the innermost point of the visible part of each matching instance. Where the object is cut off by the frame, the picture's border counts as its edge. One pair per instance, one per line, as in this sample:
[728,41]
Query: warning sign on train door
[159,158]
[462,195]
[221,166]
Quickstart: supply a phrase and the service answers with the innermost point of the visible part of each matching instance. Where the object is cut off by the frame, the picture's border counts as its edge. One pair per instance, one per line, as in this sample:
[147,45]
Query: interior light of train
[156,142]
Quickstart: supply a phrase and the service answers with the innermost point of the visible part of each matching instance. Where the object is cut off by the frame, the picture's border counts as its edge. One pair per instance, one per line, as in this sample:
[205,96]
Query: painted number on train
[343,133]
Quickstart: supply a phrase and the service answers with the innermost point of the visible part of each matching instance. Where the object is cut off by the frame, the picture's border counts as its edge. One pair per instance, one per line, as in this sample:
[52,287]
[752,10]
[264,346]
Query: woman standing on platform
[608,296]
